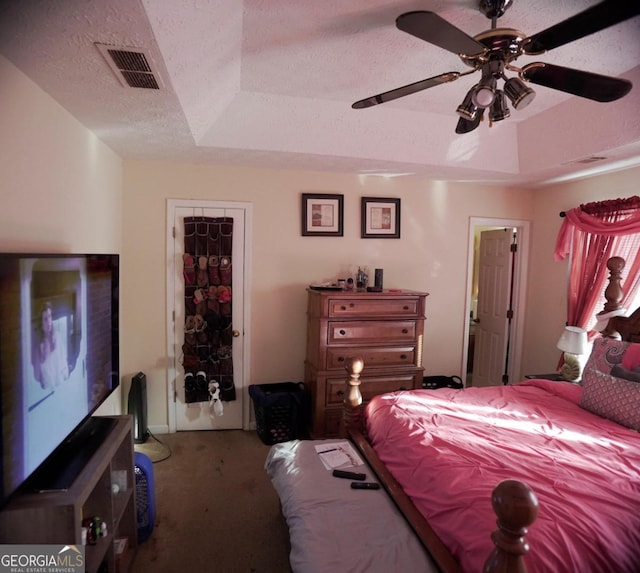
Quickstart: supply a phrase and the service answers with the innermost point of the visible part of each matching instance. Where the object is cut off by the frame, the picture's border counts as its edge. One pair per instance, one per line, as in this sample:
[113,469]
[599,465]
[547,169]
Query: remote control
[349,475]
[364,485]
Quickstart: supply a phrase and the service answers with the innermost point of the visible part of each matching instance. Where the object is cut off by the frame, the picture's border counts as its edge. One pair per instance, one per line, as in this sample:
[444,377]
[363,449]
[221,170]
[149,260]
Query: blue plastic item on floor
[145,495]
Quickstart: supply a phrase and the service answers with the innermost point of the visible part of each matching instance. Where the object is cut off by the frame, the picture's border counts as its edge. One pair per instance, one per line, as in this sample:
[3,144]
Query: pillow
[631,358]
[614,398]
[605,354]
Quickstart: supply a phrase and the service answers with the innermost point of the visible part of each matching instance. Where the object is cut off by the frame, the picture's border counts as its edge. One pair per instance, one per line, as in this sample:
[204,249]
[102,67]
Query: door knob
[235,333]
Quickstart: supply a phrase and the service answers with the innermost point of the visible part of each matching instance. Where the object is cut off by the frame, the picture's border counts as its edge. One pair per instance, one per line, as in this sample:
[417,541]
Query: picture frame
[322,215]
[380,218]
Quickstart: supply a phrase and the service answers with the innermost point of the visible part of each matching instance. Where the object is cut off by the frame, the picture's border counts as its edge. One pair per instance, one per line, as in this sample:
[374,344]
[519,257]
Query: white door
[203,415]
[494,298]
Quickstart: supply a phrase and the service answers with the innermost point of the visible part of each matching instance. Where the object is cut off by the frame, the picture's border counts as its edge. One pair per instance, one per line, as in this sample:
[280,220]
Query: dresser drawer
[371,331]
[370,386]
[373,357]
[374,307]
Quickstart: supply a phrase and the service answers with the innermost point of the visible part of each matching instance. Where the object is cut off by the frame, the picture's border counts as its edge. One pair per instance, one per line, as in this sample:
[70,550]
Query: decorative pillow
[614,398]
[605,354]
[631,358]
[611,381]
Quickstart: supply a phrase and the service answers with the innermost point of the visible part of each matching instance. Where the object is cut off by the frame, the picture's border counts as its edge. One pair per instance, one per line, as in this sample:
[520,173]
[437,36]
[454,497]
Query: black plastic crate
[281,411]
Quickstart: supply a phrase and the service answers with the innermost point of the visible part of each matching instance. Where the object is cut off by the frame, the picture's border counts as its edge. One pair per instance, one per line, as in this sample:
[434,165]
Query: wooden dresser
[385,329]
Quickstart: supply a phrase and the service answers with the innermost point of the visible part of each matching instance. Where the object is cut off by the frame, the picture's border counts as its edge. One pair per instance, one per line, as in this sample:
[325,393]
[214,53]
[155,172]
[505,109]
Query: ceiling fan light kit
[467,109]
[483,96]
[494,50]
[499,109]
[484,92]
[518,93]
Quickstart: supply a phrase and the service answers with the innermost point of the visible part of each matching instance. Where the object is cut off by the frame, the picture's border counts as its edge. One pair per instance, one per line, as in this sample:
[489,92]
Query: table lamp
[573,342]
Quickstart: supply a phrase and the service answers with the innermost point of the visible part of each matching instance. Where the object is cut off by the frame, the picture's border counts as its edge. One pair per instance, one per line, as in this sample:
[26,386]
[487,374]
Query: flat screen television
[58,363]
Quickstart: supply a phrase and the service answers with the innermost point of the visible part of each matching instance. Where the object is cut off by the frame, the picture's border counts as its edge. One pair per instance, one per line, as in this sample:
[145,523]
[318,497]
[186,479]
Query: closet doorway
[184,412]
[495,317]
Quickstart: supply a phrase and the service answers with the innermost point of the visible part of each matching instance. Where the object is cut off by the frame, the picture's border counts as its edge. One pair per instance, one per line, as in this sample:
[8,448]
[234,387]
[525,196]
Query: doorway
[506,353]
[183,413]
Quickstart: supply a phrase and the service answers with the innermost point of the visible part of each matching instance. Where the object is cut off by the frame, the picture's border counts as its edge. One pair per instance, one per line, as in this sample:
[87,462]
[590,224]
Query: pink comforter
[448,449]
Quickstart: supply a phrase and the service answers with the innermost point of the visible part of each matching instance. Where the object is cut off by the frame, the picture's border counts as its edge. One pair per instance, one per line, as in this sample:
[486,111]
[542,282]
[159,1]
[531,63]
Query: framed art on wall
[322,215]
[380,218]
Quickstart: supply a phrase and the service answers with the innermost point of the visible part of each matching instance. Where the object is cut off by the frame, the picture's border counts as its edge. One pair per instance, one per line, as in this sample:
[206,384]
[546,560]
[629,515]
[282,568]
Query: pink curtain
[591,234]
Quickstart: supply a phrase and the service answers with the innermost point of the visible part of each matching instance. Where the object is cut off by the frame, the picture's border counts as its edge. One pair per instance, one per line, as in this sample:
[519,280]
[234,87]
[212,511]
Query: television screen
[58,353]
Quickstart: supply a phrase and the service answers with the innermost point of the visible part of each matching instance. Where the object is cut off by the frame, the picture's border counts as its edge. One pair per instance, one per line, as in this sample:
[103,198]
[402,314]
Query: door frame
[172,204]
[520,271]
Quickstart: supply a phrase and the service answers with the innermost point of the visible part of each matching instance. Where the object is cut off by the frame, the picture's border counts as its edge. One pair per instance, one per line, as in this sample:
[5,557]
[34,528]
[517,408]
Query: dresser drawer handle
[405,307]
[403,357]
[402,388]
[340,393]
[405,331]
[342,332]
[341,358]
[343,307]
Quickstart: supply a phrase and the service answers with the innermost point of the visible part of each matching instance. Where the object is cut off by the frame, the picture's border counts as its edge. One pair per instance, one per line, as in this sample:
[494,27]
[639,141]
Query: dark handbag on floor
[434,382]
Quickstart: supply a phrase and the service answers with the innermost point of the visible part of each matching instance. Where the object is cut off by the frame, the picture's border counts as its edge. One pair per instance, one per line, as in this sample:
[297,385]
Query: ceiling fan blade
[583,84]
[431,28]
[406,90]
[589,21]
[467,125]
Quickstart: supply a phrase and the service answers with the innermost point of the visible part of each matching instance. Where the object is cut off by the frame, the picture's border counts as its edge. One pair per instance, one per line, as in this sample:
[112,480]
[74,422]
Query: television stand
[62,468]
[55,517]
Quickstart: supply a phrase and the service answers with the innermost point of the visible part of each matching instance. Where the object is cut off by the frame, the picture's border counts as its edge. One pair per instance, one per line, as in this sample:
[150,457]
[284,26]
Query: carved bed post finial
[352,403]
[613,294]
[516,506]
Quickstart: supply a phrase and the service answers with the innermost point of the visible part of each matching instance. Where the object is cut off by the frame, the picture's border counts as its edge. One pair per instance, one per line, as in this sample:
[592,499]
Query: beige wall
[431,256]
[61,187]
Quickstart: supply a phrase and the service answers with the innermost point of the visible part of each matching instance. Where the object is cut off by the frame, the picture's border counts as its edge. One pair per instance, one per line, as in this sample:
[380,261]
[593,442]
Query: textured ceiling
[270,83]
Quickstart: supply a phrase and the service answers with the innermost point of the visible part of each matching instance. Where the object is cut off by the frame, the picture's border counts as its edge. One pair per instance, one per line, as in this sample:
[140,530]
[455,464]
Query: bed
[559,464]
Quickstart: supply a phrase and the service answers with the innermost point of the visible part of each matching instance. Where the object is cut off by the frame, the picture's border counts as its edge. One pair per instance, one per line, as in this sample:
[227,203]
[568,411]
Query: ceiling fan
[493,52]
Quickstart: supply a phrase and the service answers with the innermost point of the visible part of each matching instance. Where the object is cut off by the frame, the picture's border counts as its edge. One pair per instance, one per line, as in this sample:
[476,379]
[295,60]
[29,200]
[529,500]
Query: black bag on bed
[434,382]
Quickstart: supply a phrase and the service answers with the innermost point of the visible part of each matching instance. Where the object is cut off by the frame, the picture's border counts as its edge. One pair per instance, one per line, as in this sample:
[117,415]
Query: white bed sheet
[335,528]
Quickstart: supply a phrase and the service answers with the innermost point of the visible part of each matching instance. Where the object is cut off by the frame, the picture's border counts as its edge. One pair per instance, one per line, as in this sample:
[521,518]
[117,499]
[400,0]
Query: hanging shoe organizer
[208,338]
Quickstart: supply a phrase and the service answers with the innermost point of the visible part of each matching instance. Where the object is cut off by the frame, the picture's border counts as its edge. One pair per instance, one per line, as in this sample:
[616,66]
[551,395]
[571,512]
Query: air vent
[585,160]
[131,67]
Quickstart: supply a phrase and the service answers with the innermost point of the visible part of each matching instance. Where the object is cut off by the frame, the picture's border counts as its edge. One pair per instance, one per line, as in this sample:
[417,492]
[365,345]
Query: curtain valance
[617,223]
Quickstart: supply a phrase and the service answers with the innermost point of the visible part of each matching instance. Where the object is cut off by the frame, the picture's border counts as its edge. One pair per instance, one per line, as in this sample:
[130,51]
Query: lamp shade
[573,340]
[519,93]
[499,109]
[467,109]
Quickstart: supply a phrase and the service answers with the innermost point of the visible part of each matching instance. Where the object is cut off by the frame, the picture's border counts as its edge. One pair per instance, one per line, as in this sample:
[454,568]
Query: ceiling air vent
[585,160]
[131,66]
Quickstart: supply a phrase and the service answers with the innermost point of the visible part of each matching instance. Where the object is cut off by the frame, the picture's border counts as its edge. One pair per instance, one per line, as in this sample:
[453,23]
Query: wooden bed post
[516,506]
[352,414]
[618,325]
[613,294]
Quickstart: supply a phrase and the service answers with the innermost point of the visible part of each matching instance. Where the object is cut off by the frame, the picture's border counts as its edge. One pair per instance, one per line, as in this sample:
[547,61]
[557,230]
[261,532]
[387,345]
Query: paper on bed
[338,455]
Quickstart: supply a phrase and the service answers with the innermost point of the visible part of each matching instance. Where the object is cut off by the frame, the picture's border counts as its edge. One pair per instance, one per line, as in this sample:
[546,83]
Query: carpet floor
[216,510]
